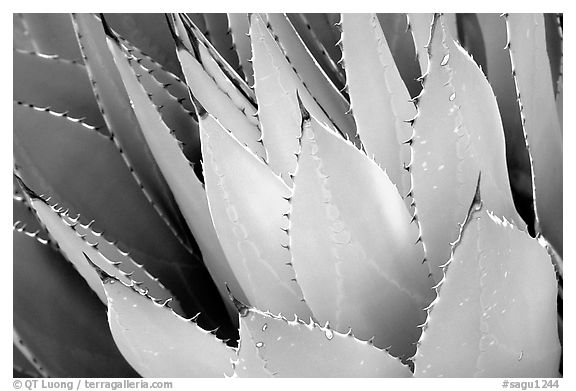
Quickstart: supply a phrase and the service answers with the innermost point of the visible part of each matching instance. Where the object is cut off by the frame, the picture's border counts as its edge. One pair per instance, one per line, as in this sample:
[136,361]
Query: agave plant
[272,195]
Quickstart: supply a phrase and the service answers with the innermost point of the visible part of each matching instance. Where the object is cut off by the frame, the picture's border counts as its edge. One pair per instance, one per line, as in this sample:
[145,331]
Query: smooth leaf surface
[307,32]
[218,29]
[526,34]
[61,85]
[488,319]
[58,318]
[149,32]
[296,349]
[312,75]
[217,103]
[401,44]
[499,73]
[121,121]
[186,187]
[359,264]
[248,204]
[239,24]
[420,24]
[381,114]
[159,343]
[52,34]
[273,73]
[83,170]
[442,170]
[76,240]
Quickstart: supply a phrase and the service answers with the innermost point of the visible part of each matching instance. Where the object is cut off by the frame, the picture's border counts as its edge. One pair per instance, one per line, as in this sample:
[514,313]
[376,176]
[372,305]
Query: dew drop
[265,326]
[452,97]
[445,59]
[329,334]
[259,344]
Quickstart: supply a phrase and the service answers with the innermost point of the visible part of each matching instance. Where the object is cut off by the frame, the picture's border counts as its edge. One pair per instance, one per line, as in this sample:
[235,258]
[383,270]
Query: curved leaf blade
[177,170]
[359,264]
[61,85]
[381,114]
[121,121]
[296,349]
[487,293]
[156,341]
[248,205]
[527,46]
[58,318]
[239,29]
[311,74]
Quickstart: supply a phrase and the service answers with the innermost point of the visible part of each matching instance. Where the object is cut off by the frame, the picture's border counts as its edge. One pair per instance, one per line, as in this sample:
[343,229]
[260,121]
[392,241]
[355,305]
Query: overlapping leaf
[526,35]
[359,263]
[58,318]
[248,204]
[156,341]
[381,114]
[275,346]
[187,189]
[488,319]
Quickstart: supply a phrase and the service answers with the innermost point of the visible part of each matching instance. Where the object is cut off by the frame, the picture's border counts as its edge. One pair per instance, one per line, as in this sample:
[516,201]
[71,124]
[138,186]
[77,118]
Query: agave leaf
[251,224]
[527,46]
[312,76]
[381,114]
[248,363]
[457,134]
[307,33]
[554,48]
[274,73]
[216,102]
[181,122]
[82,169]
[488,290]
[150,32]
[187,189]
[193,31]
[21,39]
[217,68]
[23,361]
[348,255]
[471,39]
[122,122]
[52,34]
[442,170]
[170,81]
[22,214]
[239,25]
[401,44]
[326,29]
[62,85]
[295,349]
[218,30]
[75,239]
[420,26]
[499,73]
[277,104]
[481,119]
[59,320]
[155,340]
[199,20]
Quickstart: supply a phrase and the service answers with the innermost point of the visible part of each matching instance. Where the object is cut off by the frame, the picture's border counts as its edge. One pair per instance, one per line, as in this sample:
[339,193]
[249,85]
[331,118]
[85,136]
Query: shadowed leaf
[526,34]
[60,320]
[61,85]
